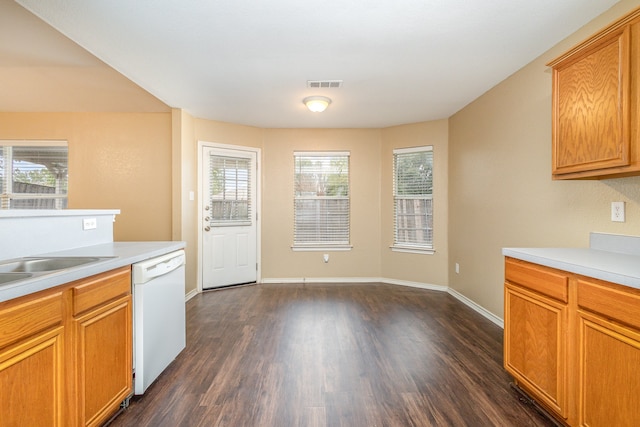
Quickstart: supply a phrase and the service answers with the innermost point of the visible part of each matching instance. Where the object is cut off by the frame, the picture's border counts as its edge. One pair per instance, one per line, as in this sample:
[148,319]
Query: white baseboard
[415,284]
[192,293]
[478,308]
[323,280]
[457,295]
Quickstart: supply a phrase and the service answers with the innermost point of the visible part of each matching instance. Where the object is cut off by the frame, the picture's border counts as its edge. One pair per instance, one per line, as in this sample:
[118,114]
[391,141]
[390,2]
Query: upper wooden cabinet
[595,105]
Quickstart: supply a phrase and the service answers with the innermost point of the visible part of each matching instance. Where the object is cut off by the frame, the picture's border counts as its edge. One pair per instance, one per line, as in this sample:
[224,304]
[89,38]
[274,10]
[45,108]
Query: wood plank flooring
[333,355]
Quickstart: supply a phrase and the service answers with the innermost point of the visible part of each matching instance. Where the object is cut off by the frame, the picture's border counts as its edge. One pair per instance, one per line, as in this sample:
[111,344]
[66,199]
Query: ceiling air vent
[324,84]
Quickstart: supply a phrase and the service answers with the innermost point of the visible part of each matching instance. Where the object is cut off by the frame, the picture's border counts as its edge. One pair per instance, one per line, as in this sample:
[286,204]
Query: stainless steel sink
[12,277]
[45,264]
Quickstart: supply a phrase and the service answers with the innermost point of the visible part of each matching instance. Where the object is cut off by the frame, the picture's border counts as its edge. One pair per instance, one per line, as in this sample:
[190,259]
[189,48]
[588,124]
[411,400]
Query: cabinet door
[609,359]
[535,351]
[608,354]
[32,360]
[104,360]
[31,378]
[591,107]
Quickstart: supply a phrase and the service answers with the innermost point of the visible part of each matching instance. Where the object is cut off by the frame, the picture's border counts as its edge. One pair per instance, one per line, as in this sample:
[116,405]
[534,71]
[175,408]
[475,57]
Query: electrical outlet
[325,258]
[89,224]
[617,211]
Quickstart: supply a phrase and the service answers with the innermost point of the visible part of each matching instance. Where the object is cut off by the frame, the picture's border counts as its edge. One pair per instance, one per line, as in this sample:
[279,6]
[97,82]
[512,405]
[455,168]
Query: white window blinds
[413,197]
[229,183]
[33,174]
[321,199]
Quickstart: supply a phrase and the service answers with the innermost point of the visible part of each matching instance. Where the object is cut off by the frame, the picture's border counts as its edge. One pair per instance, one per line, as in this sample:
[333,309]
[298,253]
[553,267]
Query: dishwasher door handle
[155,267]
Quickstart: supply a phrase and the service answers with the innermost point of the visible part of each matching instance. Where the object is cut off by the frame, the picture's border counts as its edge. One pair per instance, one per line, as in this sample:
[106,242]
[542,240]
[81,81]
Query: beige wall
[501,192]
[116,161]
[187,132]
[371,178]
[424,269]
[278,260]
[228,133]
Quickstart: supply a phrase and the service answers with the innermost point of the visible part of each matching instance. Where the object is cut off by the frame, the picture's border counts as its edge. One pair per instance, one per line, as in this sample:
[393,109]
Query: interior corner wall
[185,210]
[500,187]
[279,261]
[371,199]
[419,269]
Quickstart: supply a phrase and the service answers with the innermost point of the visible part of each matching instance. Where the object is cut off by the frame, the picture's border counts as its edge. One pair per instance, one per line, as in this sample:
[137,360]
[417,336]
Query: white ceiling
[248,61]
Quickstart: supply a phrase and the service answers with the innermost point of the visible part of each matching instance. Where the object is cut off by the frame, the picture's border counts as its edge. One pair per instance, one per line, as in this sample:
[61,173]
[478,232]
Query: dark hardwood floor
[333,355]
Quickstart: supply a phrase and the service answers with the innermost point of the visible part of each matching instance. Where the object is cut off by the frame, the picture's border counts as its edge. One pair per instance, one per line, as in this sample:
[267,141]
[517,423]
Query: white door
[229,236]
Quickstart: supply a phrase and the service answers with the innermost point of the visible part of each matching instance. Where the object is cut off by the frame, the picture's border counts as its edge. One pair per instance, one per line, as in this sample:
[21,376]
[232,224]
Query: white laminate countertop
[43,213]
[120,253]
[616,267]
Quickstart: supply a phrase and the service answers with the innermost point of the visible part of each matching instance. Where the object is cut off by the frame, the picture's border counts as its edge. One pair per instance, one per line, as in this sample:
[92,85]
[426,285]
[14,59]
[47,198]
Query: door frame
[258,204]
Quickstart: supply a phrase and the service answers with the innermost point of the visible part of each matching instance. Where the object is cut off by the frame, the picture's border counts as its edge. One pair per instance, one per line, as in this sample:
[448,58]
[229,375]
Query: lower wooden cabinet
[608,354]
[31,361]
[537,323]
[66,353]
[104,360]
[574,349]
[103,335]
[31,381]
[535,345]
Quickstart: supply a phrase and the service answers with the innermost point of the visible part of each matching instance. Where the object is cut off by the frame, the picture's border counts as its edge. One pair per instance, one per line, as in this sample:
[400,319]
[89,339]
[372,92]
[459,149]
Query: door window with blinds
[33,174]
[413,198]
[321,200]
[230,180]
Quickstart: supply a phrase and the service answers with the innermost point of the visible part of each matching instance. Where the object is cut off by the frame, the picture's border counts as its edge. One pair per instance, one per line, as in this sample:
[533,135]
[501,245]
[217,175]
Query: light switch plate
[617,211]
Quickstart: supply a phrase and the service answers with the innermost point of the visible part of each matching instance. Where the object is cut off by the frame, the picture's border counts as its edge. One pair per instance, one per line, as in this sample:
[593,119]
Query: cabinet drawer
[21,319]
[612,301]
[537,278]
[96,290]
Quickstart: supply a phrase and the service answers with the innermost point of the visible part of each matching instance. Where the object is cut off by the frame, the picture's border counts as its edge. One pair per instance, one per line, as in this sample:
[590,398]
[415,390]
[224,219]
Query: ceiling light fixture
[317,104]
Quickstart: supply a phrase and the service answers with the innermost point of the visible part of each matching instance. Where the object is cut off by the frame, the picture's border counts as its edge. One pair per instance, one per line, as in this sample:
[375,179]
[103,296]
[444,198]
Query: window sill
[321,248]
[413,250]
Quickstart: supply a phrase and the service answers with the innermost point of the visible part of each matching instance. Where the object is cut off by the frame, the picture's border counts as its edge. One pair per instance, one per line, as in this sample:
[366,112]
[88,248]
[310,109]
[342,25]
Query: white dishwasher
[159,333]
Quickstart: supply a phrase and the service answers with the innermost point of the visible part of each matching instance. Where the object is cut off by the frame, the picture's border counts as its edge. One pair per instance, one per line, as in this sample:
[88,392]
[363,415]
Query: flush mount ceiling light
[317,104]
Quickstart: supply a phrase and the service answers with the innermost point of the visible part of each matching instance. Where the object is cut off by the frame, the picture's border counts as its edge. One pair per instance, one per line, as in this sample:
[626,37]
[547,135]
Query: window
[229,183]
[413,198]
[321,200]
[33,174]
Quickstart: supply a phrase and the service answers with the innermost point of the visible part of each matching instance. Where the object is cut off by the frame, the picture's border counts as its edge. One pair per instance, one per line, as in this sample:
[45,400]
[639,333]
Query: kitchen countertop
[615,267]
[120,253]
[39,213]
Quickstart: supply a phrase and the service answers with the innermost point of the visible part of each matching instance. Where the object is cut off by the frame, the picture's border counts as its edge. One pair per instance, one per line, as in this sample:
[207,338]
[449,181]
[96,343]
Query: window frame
[6,188]
[426,248]
[319,245]
[240,179]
